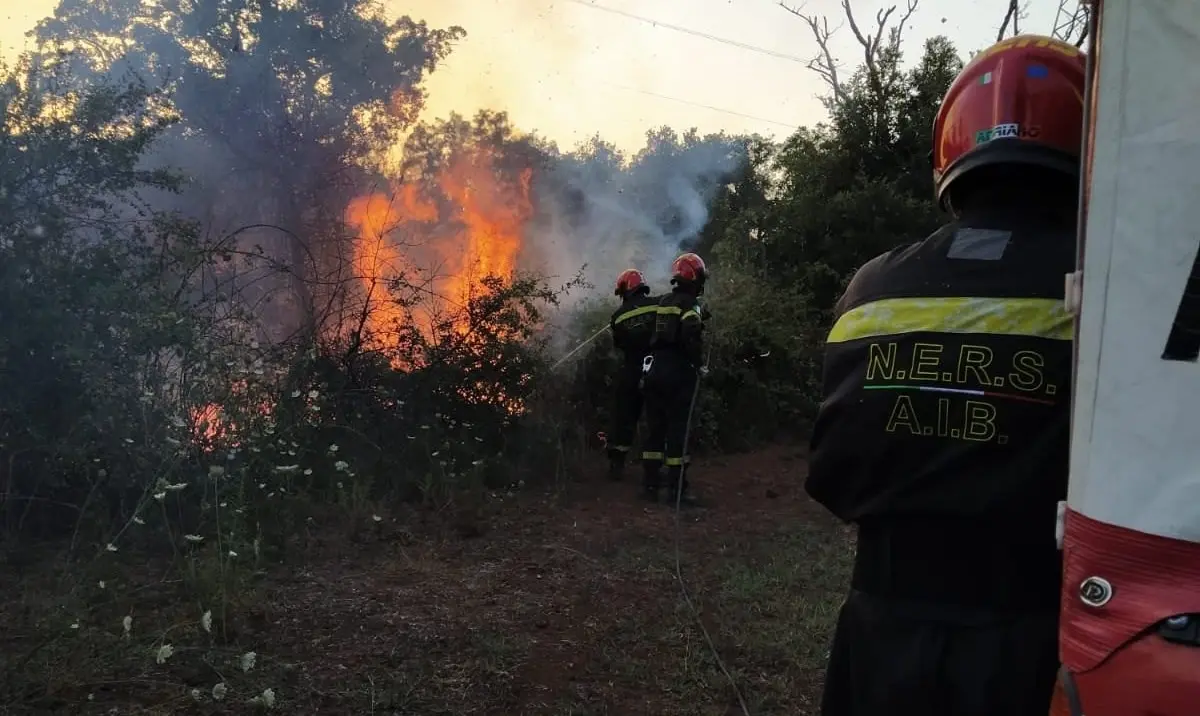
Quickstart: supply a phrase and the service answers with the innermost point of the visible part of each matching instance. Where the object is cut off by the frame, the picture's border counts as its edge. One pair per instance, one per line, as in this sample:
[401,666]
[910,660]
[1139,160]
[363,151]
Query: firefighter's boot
[651,480]
[616,464]
[678,491]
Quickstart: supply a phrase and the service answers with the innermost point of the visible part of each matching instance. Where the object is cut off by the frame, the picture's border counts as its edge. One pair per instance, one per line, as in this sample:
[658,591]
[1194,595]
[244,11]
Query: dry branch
[883,36]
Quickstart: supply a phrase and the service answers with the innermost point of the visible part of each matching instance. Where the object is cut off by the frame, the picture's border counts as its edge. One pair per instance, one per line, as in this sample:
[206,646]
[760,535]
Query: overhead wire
[705,36]
[789,125]
[695,33]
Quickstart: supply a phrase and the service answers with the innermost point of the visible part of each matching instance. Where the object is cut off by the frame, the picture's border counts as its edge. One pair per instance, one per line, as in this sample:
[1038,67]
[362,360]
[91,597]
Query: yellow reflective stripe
[652,456]
[677,461]
[634,313]
[619,448]
[1033,317]
[677,311]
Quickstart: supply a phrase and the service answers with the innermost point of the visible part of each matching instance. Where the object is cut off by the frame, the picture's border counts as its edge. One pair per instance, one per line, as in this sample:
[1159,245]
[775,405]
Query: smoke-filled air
[308,382]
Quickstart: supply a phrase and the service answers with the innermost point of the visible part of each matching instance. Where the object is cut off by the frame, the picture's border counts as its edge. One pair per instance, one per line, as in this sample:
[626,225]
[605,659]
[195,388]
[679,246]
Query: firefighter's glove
[703,371]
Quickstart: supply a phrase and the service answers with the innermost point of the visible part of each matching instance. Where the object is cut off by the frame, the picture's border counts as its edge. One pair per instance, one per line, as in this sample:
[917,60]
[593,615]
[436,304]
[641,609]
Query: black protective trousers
[897,658]
[667,390]
[627,409]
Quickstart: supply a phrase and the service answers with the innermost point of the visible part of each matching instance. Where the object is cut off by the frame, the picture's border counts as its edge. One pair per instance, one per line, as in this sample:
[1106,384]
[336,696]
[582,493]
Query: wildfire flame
[473,232]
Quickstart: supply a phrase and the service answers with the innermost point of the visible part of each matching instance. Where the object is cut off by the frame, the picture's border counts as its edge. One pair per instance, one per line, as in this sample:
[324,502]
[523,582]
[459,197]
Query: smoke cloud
[606,212]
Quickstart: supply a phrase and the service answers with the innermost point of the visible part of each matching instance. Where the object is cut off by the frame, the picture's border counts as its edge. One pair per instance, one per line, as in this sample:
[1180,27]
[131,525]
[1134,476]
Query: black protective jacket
[945,426]
[679,328]
[633,326]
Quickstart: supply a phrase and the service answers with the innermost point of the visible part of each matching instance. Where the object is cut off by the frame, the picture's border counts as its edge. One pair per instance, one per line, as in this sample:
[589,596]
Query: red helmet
[629,281]
[1018,102]
[688,268]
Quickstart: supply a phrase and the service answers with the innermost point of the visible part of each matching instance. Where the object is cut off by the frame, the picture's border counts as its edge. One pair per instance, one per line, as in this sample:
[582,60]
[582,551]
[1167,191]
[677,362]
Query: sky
[571,69]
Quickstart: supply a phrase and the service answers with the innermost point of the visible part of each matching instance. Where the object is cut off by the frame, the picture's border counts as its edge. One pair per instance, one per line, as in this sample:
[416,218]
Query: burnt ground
[558,603]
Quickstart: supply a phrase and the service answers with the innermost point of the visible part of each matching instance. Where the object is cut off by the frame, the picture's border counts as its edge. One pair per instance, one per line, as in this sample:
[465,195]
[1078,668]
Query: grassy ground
[558,604]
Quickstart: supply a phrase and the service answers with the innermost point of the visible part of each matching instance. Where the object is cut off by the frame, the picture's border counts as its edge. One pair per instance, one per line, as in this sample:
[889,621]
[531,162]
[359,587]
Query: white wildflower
[334,448]
[436,453]
[219,691]
[295,394]
[103,584]
[110,547]
[164,652]
[266,699]
[247,660]
[176,487]
[194,539]
[196,695]
[313,395]
[127,624]
[206,621]
[308,471]
[129,441]
[160,496]
[232,553]
[477,463]
[287,468]
[341,465]
[102,472]
[377,518]
[138,520]
[75,625]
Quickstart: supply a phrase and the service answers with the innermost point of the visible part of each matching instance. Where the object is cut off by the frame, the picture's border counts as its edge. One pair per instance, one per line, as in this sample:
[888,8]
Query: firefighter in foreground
[944,431]
[632,325]
[670,380]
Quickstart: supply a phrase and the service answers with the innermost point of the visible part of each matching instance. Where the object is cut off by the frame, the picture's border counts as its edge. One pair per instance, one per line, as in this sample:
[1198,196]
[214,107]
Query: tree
[282,106]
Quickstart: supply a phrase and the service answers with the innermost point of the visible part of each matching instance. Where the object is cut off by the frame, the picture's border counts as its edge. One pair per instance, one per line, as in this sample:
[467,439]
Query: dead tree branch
[1011,15]
[824,63]
[884,36]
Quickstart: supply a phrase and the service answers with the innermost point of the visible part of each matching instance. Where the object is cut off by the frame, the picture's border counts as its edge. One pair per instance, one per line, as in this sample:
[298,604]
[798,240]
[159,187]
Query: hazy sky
[569,69]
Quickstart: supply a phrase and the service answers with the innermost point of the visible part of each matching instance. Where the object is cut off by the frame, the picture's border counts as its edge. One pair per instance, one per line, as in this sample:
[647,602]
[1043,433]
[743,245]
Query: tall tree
[283,104]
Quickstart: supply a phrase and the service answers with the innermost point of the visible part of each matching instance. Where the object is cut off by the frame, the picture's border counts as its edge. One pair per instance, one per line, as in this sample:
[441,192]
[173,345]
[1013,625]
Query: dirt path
[567,604]
[553,603]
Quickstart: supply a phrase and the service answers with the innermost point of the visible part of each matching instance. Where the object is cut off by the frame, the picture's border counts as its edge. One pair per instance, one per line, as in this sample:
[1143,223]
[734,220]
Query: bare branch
[1011,15]
[823,64]
[873,44]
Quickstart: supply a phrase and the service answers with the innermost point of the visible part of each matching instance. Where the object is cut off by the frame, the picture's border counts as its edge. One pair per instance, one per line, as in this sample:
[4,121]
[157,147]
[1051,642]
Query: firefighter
[632,326]
[670,380]
[945,426]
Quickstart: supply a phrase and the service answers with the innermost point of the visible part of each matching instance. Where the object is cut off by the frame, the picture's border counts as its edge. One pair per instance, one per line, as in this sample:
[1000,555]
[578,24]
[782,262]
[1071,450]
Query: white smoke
[607,213]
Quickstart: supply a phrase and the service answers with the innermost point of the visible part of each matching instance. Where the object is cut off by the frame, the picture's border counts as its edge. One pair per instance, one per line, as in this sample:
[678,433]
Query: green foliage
[209,394]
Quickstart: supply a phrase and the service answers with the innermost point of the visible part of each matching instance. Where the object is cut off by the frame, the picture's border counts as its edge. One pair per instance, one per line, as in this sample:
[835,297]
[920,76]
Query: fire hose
[678,539]
[678,528]
[584,344]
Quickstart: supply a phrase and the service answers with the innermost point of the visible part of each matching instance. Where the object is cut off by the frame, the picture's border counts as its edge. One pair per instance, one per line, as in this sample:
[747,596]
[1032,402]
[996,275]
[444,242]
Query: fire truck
[1130,527]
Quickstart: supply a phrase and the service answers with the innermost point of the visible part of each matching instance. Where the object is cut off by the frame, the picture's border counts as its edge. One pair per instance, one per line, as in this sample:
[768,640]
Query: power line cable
[695,33]
[789,125]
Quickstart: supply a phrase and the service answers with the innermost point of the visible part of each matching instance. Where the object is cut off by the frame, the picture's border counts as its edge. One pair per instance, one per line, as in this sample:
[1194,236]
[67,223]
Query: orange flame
[377,257]
[479,235]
